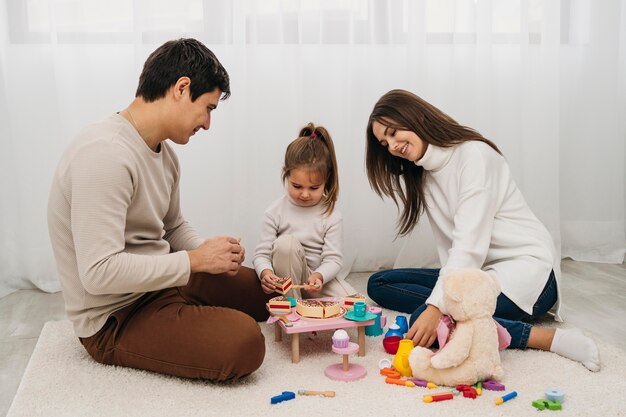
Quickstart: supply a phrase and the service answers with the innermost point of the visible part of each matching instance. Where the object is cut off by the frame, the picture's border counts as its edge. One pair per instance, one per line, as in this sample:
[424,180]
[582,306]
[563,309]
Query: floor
[594,294]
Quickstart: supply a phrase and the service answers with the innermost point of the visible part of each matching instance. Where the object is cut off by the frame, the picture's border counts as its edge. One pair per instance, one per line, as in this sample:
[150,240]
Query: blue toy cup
[402,323]
[359,309]
[394,330]
[375,329]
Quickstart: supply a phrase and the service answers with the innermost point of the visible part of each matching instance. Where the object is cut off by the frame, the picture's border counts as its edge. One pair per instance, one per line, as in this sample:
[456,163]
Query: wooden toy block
[279,305]
[283,285]
[348,301]
[317,308]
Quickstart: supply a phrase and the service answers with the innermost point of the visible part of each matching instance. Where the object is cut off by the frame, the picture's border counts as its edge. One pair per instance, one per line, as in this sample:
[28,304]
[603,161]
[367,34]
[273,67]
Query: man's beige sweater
[115,222]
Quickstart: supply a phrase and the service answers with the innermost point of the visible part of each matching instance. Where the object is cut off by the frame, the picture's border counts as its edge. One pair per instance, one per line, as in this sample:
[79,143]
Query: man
[141,287]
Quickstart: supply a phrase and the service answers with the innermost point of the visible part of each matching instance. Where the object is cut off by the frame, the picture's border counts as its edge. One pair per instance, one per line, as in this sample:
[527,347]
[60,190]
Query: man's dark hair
[182,58]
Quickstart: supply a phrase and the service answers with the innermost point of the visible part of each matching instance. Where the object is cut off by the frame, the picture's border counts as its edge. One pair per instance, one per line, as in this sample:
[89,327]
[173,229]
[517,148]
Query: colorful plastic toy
[543,404]
[479,388]
[553,402]
[506,397]
[438,397]
[468,392]
[375,329]
[345,371]
[554,394]
[421,383]
[397,381]
[390,372]
[402,323]
[285,396]
[352,315]
[391,344]
[401,360]
[554,405]
[394,330]
[384,363]
[492,385]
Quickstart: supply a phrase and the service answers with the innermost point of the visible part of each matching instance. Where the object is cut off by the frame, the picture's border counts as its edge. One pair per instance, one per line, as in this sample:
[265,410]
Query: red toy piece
[438,397]
[468,392]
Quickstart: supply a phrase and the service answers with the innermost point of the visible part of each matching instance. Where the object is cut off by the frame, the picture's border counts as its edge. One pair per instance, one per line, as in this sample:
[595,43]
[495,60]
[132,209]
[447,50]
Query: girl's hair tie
[313,135]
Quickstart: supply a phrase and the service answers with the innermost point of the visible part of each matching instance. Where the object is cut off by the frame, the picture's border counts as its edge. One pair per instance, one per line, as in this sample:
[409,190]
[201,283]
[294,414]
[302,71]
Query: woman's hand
[423,332]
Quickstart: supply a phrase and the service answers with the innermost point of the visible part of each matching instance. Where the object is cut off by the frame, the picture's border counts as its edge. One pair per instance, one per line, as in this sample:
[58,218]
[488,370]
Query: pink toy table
[301,325]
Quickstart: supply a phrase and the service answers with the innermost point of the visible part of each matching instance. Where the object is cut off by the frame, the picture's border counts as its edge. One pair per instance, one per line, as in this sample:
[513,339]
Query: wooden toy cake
[282,285]
[317,308]
[279,305]
[349,300]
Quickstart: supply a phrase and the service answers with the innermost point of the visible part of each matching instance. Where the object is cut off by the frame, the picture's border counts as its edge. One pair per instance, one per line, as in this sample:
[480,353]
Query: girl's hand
[314,283]
[267,281]
[423,332]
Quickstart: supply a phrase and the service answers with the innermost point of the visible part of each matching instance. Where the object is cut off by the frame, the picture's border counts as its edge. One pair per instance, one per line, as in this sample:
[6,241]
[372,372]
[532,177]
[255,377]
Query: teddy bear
[471,354]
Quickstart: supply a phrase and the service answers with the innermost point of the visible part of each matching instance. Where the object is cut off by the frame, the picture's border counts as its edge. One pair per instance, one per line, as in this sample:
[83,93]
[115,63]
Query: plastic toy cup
[391,344]
[375,329]
[359,309]
[402,323]
[384,363]
[394,330]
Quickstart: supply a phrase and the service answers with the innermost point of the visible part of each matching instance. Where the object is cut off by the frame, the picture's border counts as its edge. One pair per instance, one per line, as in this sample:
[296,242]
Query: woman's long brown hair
[403,110]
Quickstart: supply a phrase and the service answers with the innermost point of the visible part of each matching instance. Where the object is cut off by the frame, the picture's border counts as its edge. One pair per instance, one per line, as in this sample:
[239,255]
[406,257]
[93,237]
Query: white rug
[62,380]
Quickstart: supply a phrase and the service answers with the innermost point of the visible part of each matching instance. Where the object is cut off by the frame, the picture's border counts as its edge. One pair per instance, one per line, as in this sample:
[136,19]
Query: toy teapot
[401,360]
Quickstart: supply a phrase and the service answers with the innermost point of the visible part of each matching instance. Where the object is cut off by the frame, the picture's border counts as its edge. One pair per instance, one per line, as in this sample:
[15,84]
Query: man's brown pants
[206,329]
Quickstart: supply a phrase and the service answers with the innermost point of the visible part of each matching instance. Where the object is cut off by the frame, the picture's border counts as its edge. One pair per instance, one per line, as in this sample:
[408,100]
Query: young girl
[421,156]
[302,235]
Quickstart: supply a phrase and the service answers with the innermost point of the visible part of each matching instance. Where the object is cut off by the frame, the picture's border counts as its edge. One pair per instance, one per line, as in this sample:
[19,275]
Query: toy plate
[342,312]
[368,316]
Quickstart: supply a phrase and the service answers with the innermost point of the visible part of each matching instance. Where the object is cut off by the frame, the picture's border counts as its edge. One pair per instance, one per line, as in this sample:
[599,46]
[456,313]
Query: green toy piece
[554,405]
[543,404]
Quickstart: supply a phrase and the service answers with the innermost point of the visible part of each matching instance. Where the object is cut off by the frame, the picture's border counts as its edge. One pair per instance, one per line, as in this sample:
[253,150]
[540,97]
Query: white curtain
[545,80]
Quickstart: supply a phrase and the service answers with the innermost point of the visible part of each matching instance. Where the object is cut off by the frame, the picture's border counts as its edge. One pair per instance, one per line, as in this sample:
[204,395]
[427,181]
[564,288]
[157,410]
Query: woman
[422,157]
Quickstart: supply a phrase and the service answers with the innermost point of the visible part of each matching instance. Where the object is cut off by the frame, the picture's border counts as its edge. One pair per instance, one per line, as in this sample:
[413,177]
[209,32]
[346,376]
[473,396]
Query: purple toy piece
[418,382]
[492,385]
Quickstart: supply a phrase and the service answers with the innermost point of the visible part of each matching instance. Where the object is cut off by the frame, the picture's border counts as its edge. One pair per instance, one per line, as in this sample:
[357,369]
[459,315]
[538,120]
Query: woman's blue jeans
[407,289]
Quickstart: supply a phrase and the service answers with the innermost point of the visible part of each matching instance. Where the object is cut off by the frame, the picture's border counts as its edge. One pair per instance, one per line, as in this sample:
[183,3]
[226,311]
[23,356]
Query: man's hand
[423,332]
[218,255]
